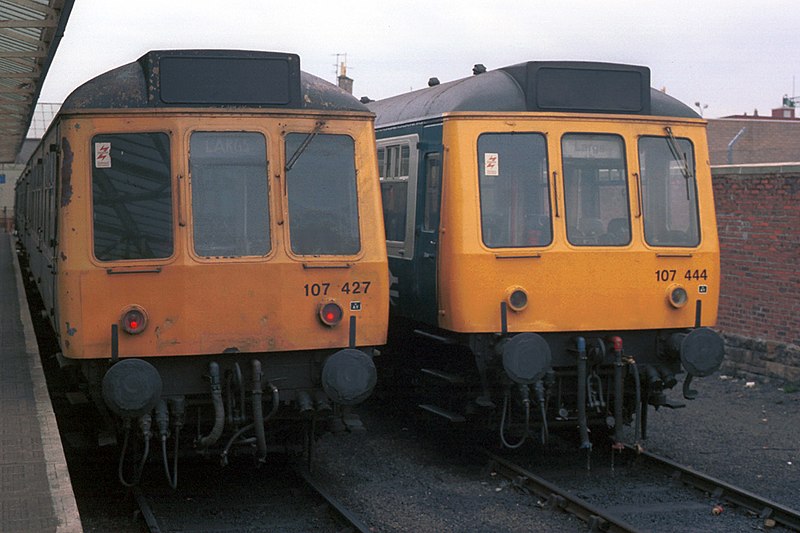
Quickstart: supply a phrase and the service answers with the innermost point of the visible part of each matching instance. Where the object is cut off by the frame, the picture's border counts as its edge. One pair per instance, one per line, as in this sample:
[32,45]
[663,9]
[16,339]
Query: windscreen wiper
[681,158]
[303,145]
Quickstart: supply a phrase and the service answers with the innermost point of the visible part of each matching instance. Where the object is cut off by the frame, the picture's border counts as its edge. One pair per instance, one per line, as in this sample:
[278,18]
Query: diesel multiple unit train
[205,230]
[553,246]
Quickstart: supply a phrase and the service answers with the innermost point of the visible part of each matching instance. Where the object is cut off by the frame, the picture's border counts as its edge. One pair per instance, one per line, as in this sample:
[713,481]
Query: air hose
[145,422]
[526,402]
[219,411]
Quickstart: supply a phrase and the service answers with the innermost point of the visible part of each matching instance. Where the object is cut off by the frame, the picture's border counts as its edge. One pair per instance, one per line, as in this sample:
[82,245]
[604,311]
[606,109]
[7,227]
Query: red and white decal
[102,155]
[491,165]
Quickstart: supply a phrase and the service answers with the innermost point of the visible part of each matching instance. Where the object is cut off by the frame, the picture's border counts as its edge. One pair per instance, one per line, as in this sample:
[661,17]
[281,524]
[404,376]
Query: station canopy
[30,31]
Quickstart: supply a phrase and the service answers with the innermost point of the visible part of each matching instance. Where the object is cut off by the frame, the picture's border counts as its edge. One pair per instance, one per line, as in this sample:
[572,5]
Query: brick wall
[758,217]
[764,140]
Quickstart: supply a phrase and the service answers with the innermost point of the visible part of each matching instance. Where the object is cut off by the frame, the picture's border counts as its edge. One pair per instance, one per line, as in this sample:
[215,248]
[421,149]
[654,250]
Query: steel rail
[144,508]
[556,497]
[764,508]
[343,513]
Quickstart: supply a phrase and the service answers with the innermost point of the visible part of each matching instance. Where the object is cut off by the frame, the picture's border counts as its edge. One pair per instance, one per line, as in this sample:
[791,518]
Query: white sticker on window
[491,164]
[102,155]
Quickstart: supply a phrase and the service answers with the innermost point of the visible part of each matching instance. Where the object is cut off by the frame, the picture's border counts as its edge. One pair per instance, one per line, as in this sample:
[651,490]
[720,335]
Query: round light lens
[331,314]
[517,299]
[134,320]
[678,297]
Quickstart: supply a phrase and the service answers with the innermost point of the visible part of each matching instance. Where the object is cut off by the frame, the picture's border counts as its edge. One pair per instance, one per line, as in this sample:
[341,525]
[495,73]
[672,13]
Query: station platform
[35,490]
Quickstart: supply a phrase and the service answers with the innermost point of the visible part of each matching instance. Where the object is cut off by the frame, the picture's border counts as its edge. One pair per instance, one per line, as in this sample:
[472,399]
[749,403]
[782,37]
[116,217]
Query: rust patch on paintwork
[66,172]
[160,330]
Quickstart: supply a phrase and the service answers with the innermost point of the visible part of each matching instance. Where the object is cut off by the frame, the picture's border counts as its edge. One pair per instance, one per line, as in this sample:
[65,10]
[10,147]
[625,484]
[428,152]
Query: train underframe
[525,385]
[225,405]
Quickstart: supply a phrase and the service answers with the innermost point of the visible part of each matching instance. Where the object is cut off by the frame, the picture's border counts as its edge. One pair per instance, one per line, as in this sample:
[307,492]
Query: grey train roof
[513,88]
[187,78]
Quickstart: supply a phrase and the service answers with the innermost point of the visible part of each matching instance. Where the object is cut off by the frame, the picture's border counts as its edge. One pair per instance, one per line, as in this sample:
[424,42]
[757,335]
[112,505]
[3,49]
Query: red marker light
[331,314]
[617,342]
[134,320]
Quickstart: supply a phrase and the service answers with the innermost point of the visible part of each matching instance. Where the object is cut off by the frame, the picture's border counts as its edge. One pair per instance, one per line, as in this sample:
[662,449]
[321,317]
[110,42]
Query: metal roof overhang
[30,31]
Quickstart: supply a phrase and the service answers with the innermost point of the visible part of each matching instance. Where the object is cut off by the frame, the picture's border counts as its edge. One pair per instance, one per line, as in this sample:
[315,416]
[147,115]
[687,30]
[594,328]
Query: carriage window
[433,190]
[595,190]
[669,192]
[393,166]
[515,197]
[230,210]
[132,196]
[323,201]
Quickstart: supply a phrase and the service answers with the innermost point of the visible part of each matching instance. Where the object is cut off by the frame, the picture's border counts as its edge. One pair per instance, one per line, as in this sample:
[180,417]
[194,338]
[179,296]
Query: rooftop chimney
[344,82]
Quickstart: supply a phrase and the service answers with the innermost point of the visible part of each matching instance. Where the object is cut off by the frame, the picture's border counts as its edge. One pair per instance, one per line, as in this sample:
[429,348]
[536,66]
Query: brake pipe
[540,399]
[586,444]
[219,411]
[248,427]
[637,381]
[618,388]
[258,412]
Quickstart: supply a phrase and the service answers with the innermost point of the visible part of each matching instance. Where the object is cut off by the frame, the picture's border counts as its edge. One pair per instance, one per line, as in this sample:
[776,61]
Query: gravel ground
[740,431]
[401,477]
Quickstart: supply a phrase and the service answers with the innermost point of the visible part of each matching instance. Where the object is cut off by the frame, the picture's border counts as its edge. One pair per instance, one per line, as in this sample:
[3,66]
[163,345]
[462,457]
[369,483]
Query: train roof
[563,86]
[211,78]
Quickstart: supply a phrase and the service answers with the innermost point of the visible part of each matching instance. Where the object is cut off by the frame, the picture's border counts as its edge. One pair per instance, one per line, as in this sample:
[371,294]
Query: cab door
[427,233]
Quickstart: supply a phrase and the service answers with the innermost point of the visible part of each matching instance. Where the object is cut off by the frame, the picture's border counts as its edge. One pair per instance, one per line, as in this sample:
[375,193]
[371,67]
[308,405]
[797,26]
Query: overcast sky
[732,56]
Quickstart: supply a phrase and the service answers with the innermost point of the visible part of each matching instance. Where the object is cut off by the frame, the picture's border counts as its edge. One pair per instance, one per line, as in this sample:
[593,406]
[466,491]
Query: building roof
[30,31]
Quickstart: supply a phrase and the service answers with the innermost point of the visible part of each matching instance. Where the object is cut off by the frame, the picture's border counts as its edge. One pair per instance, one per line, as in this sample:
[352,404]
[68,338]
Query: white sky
[732,56]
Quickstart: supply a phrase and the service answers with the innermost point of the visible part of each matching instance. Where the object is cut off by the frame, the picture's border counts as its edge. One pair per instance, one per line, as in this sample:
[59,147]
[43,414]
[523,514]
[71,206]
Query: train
[205,230]
[553,249]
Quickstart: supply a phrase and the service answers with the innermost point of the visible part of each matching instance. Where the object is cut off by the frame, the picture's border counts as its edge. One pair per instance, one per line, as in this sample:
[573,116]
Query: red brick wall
[758,217]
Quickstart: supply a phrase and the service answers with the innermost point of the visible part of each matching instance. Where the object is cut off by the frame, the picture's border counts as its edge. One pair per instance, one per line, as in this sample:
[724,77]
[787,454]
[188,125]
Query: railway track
[557,497]
[717,497]
[343,515]
[145,510]
[158,518]
[159,510]
[762,507]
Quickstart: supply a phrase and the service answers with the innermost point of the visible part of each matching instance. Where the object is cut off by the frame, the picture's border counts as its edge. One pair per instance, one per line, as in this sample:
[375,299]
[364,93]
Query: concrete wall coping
[756,169]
